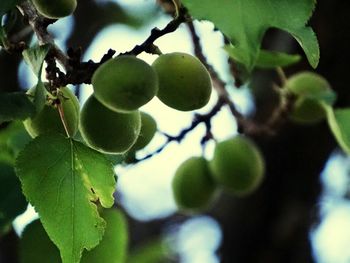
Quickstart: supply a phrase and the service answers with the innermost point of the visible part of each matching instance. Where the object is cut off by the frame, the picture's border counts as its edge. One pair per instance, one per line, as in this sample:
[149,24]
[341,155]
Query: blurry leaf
[6,5]
[152,252]
[114,245]
[115,158]
[3,37]
[35,245]
[245,23]
[274,59]
[13,138]
[12,201]
[63,182]
[15,106]
[114,13]
[339,123]
[35,56]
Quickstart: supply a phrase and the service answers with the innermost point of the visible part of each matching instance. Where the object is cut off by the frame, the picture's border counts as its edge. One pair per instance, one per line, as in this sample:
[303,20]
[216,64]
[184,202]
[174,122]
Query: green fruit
[307,111]
[125,83]
[55,8]
[49,120]
[193,186]
[184,82]
[106,130]
[238,165]
[310,89]
[148,130]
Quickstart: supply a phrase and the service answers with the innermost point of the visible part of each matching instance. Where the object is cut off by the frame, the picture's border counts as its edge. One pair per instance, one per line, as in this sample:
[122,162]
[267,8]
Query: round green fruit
[310,89]
[106,130]
[238,165]
[193,187]
[148,130]
[184,82]
[55,8]
[307,111]
[48,120]
[125,83]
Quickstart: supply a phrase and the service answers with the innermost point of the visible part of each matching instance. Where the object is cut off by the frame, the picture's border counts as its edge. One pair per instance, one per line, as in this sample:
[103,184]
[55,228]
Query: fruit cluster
[110,120]
[237,167]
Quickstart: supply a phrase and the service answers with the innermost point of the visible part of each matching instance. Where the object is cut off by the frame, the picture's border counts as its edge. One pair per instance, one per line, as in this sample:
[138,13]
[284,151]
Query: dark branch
[148,45]
[197,119]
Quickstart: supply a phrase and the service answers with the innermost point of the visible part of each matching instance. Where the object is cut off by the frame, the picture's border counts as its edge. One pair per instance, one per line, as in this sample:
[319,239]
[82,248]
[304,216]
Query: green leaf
[3,37]
[115,159]
[6,5]
[39,98]
[35,245]
[12,201]
[153,251]
[13,138]
[15,106]
[63,182]
[35,56]
[114,245]
[338,121]
[245,23]
[273,59]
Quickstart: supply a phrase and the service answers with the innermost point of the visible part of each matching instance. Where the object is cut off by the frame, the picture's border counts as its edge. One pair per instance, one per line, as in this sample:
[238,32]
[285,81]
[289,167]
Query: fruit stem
[176,4]
[281,75]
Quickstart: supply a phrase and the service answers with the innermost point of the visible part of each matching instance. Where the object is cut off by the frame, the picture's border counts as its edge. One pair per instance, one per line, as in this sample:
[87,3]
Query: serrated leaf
[114,245]
[338,121]
[273,59]
[63,182]
[245,23]
[12,201]
[6,5]
[35,245]
[35,56]
[15,106]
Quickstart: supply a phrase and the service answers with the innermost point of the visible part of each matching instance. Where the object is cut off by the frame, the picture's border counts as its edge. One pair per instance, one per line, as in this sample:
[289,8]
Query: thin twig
[198,119]
[148,44]
[39,25]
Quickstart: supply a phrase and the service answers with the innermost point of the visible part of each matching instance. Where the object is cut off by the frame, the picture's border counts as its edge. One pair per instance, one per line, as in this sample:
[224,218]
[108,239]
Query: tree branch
[197,119]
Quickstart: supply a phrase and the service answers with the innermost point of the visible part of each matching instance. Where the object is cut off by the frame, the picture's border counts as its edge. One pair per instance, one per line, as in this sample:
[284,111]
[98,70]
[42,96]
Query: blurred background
[301,213]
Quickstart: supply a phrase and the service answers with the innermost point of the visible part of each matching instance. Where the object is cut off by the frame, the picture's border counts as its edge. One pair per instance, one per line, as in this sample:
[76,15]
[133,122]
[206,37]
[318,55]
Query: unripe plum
[125,83]
[106,130]
[310,88]
[184,82]
[238,165]
[193,187]
[148,130]
[49,120]
[55,8]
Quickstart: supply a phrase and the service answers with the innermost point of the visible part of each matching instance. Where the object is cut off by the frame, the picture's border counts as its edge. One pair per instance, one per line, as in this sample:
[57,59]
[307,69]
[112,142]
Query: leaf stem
[63,119]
